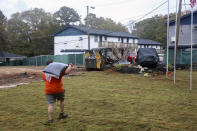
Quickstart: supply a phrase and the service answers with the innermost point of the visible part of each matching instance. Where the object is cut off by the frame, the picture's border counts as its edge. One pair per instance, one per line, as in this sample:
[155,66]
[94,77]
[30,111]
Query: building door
[8,61]
[100,40]
[122,40]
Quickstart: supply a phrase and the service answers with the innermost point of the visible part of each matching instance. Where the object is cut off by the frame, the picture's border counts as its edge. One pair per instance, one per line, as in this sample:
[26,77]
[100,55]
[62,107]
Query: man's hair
[49,61]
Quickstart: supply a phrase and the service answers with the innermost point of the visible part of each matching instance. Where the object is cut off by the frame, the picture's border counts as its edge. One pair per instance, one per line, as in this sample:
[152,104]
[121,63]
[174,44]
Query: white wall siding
[69,42]
[115,39]
[184,35]
[73,43]
[81,42]
[135,41]
[93,44]
[150,46]
[131,40]
[111,39]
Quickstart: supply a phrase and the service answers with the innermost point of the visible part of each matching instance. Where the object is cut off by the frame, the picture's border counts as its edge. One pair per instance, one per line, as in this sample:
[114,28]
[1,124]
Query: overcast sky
[118,10]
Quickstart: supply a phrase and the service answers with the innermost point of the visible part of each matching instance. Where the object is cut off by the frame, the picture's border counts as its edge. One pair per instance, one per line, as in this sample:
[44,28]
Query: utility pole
[178,20]
[88,28]
[177,30]
[88,24]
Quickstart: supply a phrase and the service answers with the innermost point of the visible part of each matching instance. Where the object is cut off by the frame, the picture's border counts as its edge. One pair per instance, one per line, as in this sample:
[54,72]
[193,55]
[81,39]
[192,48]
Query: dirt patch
[13,76]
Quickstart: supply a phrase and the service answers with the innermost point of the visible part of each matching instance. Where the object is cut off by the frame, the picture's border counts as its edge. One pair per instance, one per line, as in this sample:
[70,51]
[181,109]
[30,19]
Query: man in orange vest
[54,91]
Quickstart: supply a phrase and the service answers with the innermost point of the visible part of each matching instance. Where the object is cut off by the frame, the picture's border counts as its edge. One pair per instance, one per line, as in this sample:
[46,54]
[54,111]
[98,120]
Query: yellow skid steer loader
[98,58]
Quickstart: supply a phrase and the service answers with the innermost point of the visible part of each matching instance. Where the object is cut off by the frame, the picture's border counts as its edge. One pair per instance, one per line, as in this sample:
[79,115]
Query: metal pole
[191,48]
[181,56]
[88,27]
[75,59]
[47,58]
[36,61]
[41,60]
[175,44]
[168,38]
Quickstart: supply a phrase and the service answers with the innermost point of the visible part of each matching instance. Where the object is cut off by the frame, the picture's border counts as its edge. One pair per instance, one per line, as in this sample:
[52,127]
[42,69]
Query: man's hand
[67,71]
[70,64]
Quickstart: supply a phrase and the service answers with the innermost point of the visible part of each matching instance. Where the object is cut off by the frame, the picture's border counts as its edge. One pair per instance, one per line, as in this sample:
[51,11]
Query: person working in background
[54,91]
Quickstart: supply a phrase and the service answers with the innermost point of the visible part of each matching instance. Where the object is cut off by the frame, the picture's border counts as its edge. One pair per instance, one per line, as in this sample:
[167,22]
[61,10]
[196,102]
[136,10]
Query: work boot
[62,115]
[50,121]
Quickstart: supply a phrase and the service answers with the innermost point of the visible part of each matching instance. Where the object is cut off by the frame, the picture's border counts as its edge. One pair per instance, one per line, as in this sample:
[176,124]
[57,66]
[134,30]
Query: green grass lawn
[104,101]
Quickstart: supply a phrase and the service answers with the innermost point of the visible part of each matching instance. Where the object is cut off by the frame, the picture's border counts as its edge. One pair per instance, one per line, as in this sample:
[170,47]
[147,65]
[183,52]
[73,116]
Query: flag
[193,3]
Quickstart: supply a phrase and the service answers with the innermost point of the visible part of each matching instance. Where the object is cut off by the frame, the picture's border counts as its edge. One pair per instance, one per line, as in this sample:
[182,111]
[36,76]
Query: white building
[74,39]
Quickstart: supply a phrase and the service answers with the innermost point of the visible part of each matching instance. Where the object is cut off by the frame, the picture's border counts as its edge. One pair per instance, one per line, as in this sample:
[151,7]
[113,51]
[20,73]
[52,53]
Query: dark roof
[148,42]
[92,31]
[9,55]
[186,18]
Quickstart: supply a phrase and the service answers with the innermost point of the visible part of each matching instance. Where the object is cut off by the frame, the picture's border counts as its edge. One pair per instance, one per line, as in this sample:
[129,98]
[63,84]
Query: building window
[77,44]
[127,40]
[105,38]
[195,26]
[95,38]
[80,38]
[62,50]
[122,40]
[118,38]
[172,40]
[135,41]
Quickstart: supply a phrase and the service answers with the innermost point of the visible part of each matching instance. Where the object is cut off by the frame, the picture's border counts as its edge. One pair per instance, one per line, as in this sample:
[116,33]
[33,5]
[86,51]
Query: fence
[183,56]
[76,59]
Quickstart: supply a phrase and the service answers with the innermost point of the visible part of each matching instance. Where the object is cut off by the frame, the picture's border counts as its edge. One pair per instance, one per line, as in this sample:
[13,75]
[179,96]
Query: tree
[104,23]
[30,32]
[2,19]
[3,32]
[152,28]
[66,16]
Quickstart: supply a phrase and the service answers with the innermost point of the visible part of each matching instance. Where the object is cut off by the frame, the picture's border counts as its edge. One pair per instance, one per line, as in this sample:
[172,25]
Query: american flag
[193,3]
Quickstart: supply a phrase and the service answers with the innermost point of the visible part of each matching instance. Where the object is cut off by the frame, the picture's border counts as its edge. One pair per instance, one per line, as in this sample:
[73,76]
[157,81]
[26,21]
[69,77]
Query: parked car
[132,57]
